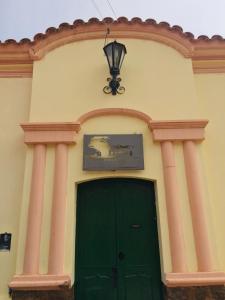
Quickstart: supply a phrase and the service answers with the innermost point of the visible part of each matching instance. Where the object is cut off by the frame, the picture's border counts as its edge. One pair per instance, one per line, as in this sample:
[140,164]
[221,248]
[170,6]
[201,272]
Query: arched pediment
[114,111]
[121,28]
[207,54]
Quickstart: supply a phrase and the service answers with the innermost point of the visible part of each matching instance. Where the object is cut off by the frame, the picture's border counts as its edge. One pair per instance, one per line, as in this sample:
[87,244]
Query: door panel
[96,242]
[117,254]
[138,285]
[95,284]
[137,239]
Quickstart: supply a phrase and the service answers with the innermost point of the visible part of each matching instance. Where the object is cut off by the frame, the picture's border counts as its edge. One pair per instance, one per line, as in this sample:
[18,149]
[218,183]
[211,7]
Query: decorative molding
[178,130]
[194,279]
[47,133]
[178,124]
[122,29]
[208,66]
[51,126]
[208,55]
[16,70]
[15,59]
[40,282]
[15,53]
[114,111]
[65,132]
[160,135]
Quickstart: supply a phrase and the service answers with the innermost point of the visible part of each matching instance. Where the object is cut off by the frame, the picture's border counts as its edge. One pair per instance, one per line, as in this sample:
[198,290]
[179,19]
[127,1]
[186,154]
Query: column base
[40,282]
[64,294]
[170,293]
[194,293]
[194,279]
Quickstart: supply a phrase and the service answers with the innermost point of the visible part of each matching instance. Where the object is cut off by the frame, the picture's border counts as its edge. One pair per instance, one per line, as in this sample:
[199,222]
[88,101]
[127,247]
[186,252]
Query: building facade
[155,232]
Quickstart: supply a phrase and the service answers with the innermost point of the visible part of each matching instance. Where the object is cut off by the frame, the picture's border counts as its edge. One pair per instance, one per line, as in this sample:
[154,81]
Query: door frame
[118,177]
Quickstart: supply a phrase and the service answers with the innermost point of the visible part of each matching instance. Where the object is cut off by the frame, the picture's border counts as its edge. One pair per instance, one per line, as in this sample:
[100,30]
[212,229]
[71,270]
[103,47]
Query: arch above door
[65,132]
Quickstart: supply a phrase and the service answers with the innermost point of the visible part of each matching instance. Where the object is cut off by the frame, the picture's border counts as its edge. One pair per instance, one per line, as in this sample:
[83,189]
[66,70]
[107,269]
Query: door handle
[114,277]
[121,255]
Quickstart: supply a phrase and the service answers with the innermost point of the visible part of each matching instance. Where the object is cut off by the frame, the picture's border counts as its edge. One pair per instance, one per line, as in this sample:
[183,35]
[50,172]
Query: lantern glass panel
[115,53]
[123,52]
[117,56]
[108,49]
[110,56]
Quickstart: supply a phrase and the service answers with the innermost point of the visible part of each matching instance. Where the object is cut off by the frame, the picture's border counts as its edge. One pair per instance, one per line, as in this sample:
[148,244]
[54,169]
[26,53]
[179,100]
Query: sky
[25,18]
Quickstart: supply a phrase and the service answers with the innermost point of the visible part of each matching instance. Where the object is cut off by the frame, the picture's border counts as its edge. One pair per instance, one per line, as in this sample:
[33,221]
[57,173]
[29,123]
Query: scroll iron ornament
[114,87]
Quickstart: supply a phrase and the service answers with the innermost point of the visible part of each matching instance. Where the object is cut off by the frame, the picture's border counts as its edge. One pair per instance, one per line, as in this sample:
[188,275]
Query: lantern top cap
[116,43]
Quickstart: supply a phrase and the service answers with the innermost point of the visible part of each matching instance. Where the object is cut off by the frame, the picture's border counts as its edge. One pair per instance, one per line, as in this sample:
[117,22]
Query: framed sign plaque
[113,152]
[5,241]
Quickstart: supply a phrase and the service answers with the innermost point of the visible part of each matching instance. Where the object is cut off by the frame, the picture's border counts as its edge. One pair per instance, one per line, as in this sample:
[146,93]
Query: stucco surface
[15,97]
[68,83]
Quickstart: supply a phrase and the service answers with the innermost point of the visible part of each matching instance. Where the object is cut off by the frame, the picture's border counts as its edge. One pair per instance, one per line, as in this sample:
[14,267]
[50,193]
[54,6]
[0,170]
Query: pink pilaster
[196,198]
[56,251]
[40,135]
[32,248]
[173,209]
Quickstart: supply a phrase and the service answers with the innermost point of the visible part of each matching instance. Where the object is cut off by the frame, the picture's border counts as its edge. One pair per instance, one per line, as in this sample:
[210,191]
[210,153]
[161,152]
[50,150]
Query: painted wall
[68,82]
[15,97]
[70,79]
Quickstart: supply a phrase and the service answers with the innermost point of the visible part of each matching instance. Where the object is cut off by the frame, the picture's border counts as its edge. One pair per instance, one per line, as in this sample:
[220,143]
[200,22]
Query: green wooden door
[117,254]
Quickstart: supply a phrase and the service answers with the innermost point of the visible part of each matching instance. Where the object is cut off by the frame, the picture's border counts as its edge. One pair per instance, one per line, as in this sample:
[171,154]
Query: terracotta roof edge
[199,49]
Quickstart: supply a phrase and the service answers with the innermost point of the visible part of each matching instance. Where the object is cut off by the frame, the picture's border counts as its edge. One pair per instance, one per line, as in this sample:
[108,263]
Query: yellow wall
[67,83]
[14,97]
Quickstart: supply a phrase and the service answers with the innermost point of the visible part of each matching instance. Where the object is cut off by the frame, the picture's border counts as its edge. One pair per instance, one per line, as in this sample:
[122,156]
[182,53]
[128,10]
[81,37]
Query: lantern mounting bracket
[114,86]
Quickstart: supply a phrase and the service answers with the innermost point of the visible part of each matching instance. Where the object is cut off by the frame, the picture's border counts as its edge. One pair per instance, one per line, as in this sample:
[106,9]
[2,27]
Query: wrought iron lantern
[115,53]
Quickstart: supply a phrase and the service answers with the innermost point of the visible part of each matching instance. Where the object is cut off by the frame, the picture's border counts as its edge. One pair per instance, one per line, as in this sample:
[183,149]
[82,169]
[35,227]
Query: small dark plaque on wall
[113,152]
[5,241]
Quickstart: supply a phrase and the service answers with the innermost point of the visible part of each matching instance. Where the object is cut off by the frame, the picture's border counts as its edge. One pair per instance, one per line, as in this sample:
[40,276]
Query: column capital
[178,130]
[50,133]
